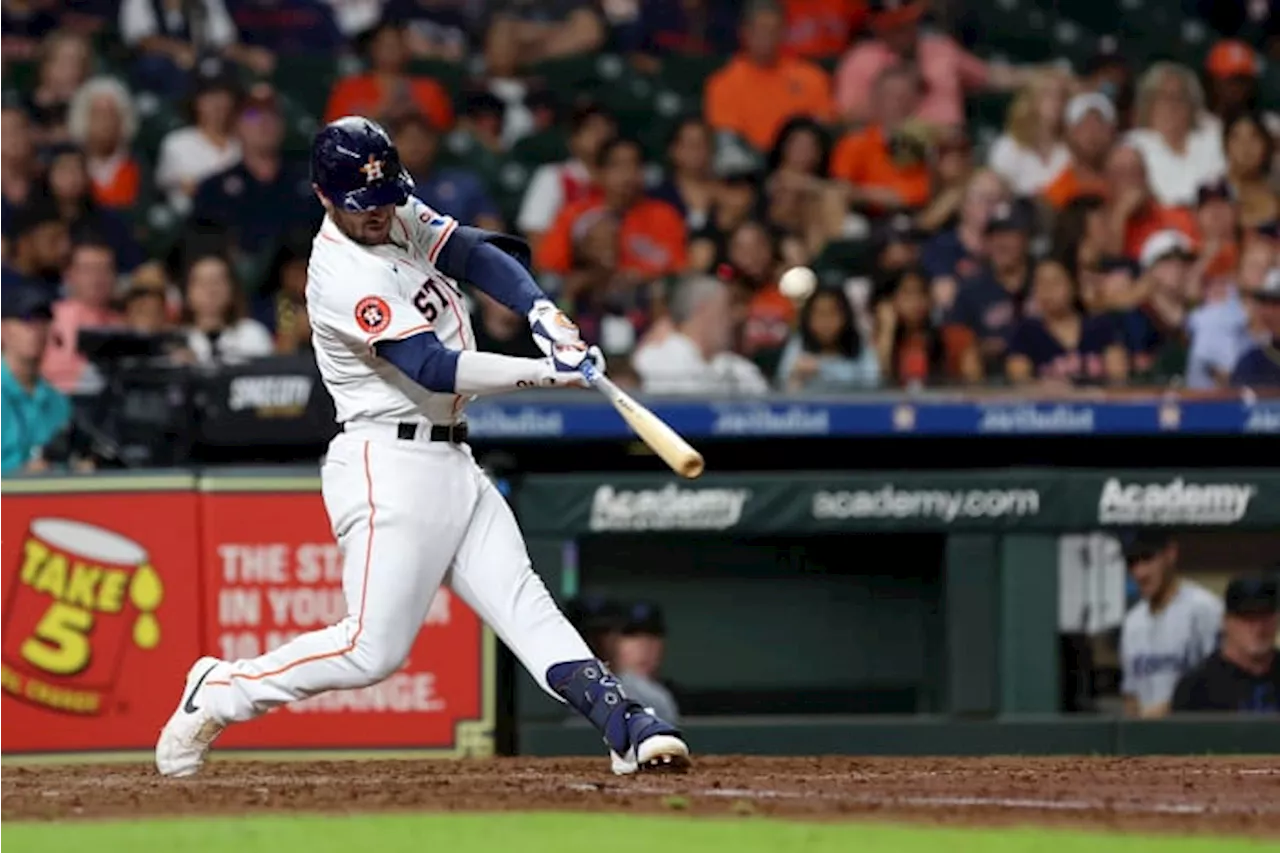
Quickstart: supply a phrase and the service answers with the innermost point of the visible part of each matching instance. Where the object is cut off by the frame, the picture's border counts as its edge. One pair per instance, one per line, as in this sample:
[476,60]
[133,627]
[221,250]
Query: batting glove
[563,368]
[552,329]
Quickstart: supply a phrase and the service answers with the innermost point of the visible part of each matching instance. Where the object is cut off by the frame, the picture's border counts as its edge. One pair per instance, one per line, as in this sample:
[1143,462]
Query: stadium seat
[845,256]
[308,80]
[688,74]
[549,146]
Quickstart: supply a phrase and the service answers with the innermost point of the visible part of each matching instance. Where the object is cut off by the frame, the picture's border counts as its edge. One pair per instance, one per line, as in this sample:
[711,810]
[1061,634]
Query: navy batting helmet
[356,165]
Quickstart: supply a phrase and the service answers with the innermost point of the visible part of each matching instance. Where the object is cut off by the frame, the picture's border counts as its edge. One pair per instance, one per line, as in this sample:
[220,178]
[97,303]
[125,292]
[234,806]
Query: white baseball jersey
[358,295]
[1156,649]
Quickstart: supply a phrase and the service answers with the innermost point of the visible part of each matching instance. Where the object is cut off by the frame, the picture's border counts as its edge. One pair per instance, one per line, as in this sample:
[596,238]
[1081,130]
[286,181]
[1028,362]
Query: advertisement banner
[273,571]
[101,615]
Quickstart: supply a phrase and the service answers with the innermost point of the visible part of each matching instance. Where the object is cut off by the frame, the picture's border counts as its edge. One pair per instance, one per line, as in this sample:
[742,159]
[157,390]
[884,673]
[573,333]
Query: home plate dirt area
[1174,795]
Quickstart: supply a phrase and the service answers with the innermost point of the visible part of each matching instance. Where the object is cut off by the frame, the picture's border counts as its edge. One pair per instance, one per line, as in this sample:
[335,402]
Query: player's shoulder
[1199,598]
[1137,616]
[339,263]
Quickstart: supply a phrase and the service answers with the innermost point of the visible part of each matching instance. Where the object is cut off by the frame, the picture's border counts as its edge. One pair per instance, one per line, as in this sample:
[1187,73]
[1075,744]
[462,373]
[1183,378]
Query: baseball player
[409,507]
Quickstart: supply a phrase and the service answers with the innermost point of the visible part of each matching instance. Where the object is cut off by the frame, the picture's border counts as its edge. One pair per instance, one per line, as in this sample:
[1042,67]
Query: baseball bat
[662,439]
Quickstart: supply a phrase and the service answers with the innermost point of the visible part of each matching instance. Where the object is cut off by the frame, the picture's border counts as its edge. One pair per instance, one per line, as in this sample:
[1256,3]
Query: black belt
[452,433]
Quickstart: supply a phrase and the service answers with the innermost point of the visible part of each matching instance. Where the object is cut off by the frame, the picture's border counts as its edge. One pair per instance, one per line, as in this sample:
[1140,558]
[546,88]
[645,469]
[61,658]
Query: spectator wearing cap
[555,185]
[1032,152]
[1243,675]
[651,234]
[760,88]
[886,164]
[679,27]
[637,659]
[207,144]
[1217,231]
[693,352]
[1058,344]
[1133,211]
[958,252]
[39,248]
[90,285]
[596,617]
[1182,150]
[66,58]
[387,91]
[548,29]
[1168,287]
[1259,367]
[1169,632]
[19,166]
[457,191]
[990,302]
[828,352]
[68,184]
[1250,149]
[287,27]
[822,29]
[1224,328]
[33,410]
[262,196]
[1090,120]
[1233,71]
[949,71]
[169,36]
[102,121]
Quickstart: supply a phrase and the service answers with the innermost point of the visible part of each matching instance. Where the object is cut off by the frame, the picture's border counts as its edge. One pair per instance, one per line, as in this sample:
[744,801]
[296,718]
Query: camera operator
[34,412]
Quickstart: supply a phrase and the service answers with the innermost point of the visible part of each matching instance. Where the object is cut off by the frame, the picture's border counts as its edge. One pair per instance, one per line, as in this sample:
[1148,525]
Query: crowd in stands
[1122,227]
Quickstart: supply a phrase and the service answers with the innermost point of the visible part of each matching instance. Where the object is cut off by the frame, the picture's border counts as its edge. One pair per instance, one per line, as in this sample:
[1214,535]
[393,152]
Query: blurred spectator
[502,79]
[39,247]
[822,29]
[1059,344]
[690,185]
[67,183]
[1223,329]
[1168,288]
[959,252]
[34,412]
[1031,151]
[23,25]
[207,145]
[597,618]
[499,329]
[753,270]
[263,196]
[736,200]
[169,36]
[1259,366]
[356,16]
[800,202]
[437,29]
[66,58]
[102,121]
[637,659]
[1181,150]
[284,27]
[887,162]
[911,349]
[691,354]
[19,167]
[1109,74]
[548,29]
[1133,212]
[990,302]
[90,285]
[1243,675]
[480,125]
[218,332]
[1249,150]
[1233,71]
[1090,122]
[386,91]
[952,167]
[760,89]
[457,192]
[651,234]
[949,71]
[145,302]
[827,353]
[689,27]
[608,305]
[281,306]
[1217,230]
[555,185]
[1166,634]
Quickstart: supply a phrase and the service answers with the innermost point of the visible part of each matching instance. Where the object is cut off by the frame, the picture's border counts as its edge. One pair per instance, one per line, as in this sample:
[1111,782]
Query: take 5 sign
[111,594]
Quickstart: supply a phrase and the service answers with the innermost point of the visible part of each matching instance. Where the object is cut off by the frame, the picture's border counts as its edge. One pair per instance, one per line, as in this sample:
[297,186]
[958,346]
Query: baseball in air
[798,283]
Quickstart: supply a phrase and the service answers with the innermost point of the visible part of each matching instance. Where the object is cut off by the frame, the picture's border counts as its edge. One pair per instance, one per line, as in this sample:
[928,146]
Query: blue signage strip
[783,418]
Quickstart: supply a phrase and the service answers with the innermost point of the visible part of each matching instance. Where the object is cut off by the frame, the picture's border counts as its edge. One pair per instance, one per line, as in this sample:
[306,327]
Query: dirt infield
[1177,795]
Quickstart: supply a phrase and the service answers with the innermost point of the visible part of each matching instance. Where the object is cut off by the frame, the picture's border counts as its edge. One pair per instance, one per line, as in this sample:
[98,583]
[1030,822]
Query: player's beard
[371,228]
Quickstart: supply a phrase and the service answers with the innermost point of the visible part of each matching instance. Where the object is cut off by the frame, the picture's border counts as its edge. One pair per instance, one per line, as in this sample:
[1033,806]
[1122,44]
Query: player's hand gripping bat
[662,439]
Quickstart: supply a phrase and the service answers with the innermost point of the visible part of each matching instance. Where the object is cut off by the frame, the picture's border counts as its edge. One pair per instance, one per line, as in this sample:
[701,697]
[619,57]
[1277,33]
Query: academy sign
[1176,502]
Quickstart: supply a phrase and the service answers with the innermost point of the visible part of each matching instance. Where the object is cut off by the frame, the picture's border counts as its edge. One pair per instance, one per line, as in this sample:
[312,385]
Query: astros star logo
[373,314]
[372,170]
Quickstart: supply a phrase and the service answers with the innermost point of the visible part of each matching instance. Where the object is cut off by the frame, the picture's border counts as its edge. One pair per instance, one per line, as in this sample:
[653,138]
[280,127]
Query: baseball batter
[409,507]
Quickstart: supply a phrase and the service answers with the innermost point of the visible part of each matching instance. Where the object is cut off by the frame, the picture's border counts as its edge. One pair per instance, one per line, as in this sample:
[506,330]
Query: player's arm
[424,359]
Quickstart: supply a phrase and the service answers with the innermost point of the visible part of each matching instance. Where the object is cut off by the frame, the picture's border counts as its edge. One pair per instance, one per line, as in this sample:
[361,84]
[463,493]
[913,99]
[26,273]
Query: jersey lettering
[422,300]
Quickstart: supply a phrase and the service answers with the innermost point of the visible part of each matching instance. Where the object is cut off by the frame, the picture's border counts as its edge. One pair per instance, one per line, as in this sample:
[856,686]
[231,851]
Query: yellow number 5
[65,647]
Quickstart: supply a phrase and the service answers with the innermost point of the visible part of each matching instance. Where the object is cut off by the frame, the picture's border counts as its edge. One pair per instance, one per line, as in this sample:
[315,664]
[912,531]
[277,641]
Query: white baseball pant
[408,516]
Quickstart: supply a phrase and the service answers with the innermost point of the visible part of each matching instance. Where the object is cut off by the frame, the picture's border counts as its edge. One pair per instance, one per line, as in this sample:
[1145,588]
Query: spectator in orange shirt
[1133,214]
[1091,131]
[817,29]
[948,70]
[759,89]
[386,91]
[753,269]
[651,233]
[103,122]
[886,163]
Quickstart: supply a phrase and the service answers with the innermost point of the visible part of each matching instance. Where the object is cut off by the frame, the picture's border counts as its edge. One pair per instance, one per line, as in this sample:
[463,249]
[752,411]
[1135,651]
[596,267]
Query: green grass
[571,833]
